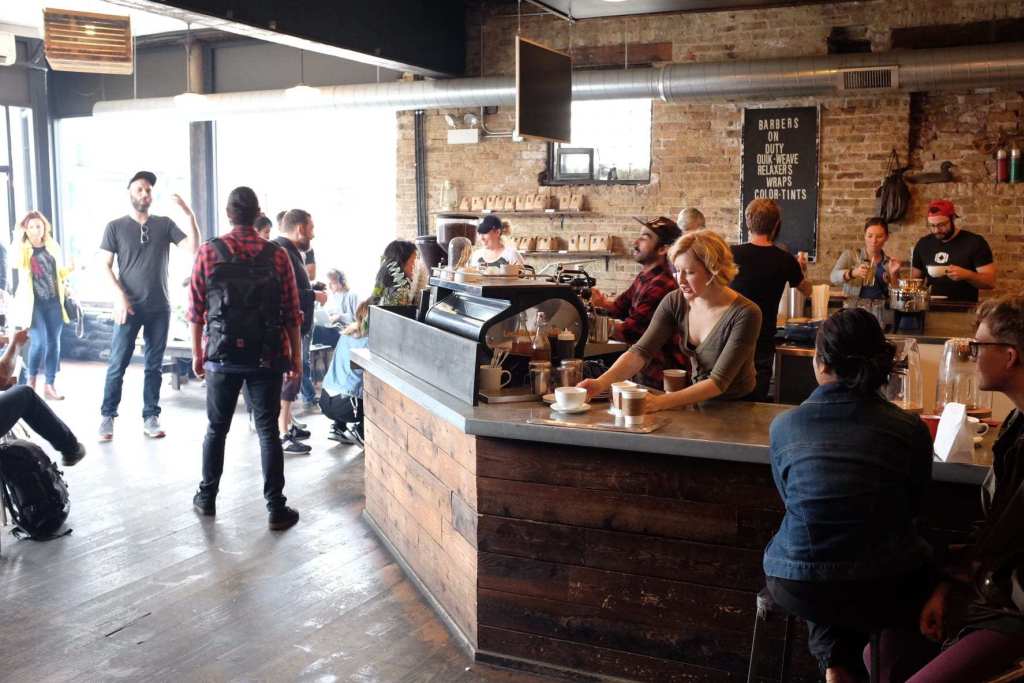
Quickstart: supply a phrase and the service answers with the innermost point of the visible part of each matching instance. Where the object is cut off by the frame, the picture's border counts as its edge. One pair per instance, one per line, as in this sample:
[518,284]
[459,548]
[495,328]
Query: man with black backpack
[245,331]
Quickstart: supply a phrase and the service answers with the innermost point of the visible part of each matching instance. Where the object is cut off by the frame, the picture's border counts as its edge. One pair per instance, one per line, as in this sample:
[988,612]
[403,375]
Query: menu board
[780,162]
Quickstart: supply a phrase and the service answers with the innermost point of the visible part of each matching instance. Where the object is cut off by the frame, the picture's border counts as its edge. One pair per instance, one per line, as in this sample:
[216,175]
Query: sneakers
[290,445]
[281,518]
[339,435]
[204,504]
[297,433]
[151,427]
[107,428]
[70,458]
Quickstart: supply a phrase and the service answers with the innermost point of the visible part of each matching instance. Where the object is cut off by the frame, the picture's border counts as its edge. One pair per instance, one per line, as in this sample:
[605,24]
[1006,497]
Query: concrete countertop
[718,431]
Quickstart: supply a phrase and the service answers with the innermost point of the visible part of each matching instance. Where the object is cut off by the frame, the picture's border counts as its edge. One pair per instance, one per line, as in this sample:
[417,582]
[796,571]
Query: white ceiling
[25,17]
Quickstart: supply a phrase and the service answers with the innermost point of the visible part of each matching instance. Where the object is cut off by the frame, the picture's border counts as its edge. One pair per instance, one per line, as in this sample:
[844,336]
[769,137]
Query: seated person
[23,403]
[341,398]
[866,273]
[337,313]
[717,327]
[635,307]
[492,250]
[847,557]
[972,627]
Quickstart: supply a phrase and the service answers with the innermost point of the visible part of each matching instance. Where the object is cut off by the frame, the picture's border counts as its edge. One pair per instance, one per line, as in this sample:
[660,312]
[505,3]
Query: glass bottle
[541,347]
[522,345]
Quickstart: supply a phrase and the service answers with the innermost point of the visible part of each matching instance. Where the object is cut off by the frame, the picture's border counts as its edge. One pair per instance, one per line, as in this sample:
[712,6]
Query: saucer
[978,440]
[582,409]
[548,398]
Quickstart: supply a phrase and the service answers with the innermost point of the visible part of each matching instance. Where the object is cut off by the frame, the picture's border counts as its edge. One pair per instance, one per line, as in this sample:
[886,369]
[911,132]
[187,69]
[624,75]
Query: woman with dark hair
[393,286]
[852,470]
[866,273]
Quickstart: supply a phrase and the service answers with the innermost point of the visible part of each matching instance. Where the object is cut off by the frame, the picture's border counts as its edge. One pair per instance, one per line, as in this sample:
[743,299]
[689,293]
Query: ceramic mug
[980,428]
[570,398]
[493,379]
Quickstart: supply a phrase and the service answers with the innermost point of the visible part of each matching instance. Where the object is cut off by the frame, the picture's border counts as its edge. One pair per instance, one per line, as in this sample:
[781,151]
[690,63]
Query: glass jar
[904,388]
[959,380]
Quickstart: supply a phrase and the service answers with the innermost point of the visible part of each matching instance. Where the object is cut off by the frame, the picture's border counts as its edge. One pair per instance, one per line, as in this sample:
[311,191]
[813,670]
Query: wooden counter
[541,549]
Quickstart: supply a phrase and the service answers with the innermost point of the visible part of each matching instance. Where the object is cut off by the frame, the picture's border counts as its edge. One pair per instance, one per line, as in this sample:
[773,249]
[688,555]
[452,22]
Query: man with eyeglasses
[956,263]
[141,243]
[637,304]
[974,618]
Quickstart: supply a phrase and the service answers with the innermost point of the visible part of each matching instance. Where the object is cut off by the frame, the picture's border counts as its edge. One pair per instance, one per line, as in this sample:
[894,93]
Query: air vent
[89,42]
[883,78]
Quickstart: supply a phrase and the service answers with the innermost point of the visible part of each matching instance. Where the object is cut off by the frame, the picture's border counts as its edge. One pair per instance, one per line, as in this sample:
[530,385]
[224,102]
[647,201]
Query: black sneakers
[205,504]
[296,432]
[294,446]
[281,518]
[70,458]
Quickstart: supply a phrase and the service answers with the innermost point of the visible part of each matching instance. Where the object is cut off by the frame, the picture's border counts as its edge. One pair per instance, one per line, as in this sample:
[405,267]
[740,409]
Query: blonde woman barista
[39,301]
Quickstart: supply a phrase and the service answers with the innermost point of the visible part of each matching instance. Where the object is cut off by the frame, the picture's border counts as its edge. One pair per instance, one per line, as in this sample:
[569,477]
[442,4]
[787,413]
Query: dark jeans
[222,390]
[154,325]
[44,338]
[841,615]
[22,403]
[307,389]
[343,410]
[764,359]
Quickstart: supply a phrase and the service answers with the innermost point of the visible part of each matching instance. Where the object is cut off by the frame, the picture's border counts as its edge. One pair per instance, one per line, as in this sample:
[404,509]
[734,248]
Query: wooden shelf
[548,213]
[569,256]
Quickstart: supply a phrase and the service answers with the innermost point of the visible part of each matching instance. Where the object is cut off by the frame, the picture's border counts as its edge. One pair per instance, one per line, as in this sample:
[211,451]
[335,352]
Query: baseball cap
[144,175]
[942,207]
[666,229]
[489,222]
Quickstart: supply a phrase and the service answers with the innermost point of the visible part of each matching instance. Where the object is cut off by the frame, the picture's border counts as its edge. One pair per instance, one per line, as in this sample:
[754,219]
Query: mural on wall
[780,162]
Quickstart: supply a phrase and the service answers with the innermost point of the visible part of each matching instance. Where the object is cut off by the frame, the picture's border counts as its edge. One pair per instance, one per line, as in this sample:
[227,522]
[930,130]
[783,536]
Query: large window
[96,156]
[611,143]
[337,164]
[17,165]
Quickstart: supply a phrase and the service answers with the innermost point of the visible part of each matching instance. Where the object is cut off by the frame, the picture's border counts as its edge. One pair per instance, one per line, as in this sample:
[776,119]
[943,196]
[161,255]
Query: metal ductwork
[911,70]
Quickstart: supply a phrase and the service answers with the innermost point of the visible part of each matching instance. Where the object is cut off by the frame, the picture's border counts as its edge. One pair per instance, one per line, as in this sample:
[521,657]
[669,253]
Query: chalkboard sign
[780,162]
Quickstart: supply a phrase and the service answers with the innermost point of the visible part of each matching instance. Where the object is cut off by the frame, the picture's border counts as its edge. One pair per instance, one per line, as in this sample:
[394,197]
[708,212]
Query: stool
[765,608]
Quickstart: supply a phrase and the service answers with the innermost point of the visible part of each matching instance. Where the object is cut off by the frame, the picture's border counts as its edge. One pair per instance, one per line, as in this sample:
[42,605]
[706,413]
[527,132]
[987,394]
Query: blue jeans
[222,390]
[154,326]
[307,389]
[44,336]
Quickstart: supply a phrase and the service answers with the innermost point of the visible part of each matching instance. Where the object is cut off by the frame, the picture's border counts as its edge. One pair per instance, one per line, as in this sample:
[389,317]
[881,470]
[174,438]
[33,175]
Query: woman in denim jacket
[852,470]
[853,270]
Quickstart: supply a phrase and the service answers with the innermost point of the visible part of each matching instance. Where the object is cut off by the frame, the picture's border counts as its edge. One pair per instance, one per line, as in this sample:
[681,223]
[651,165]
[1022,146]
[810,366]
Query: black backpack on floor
[33,490]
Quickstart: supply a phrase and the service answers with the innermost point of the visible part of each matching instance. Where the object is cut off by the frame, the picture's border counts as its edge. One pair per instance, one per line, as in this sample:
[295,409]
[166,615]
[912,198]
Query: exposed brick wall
[696,145]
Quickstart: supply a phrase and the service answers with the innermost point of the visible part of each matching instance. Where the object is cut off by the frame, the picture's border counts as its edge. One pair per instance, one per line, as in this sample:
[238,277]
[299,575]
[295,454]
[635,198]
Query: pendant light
[302,92]
[188,100]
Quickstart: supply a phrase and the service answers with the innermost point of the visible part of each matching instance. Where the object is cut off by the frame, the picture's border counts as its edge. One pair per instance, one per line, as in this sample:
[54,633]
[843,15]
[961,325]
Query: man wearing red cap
[957,263]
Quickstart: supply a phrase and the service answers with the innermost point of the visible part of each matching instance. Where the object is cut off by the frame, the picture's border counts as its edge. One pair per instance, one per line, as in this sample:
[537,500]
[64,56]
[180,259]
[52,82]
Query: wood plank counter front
[552,552]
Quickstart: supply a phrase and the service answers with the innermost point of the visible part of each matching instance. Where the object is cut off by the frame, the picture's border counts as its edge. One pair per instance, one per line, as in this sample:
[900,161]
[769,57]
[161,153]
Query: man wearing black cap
[141,243]
[637,304]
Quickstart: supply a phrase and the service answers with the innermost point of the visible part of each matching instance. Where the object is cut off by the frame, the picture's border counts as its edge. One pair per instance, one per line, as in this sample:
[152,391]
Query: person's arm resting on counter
[737,352]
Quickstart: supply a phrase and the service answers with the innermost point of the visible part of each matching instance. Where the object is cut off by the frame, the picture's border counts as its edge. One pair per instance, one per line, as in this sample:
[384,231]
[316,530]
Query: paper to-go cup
[617,388]
[633,400]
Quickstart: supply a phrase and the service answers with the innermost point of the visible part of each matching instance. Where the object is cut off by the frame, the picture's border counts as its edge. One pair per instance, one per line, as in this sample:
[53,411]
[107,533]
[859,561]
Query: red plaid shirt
[245,241]
[635,307]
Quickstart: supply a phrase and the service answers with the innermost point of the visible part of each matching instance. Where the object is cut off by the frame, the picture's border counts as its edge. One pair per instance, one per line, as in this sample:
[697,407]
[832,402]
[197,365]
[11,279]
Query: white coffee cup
[509,269]
[937,271]
[570,398]
[980,428]
[617,388]
[493,379]
[633,400]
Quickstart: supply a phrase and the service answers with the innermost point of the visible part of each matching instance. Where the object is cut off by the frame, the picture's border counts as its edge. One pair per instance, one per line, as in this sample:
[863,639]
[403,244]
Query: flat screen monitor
[543,92]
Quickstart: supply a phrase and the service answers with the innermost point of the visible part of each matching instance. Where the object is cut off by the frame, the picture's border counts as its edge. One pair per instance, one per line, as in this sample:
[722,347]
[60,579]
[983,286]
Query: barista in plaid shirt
[637,304]
[225,380]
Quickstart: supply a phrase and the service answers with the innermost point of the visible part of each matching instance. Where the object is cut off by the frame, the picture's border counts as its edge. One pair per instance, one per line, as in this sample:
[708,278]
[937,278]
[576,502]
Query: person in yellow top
[39,300]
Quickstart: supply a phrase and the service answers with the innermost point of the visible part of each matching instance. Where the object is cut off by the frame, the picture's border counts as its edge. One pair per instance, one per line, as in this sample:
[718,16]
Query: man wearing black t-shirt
[956,263]
[764,271]
[141,244]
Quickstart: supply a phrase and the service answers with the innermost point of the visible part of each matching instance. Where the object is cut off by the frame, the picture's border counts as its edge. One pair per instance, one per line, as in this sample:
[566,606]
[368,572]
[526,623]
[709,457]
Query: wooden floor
[144,589]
